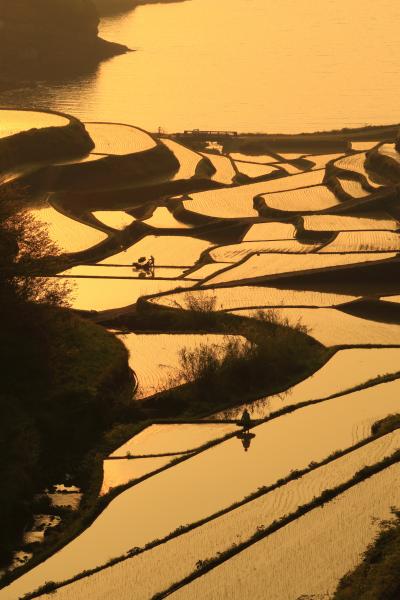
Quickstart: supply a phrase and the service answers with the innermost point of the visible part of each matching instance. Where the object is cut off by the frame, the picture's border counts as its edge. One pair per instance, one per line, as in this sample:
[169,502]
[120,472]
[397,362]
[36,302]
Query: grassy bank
[377,577]
[46,144]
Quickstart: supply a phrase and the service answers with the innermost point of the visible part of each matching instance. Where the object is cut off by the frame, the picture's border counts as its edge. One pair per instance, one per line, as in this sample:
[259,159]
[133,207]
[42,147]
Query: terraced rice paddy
[205,271]
[347,369]
[290,155]
[335,328]
[390,151]
[16,121]
[214,479]
[159,568]
[270,231]
[104,294]
[167,251]
[307,199]
[69,235]
[260,158]
[361,146]
[254,170]
[123,471]
[364,241]
[188,159]
[355,163]
[237,202]
[114,138]
[289,168]
[120,272]
[116,219]
[354,223]
[162,218]
[236,252]
[224,168]
[164,439]
[321,160]
[303,557]
[163,371]
[230,298]
[267,265]
[352,188]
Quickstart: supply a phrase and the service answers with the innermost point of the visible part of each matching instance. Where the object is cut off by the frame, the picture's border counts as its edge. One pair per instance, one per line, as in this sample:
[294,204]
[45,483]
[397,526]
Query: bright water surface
[247,65]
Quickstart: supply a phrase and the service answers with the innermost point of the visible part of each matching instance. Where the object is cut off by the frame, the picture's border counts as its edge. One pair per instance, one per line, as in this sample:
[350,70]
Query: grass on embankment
[377,577]
[275,357]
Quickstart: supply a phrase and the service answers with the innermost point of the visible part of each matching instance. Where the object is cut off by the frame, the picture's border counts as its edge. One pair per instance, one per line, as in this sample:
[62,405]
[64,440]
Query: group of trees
[23,351]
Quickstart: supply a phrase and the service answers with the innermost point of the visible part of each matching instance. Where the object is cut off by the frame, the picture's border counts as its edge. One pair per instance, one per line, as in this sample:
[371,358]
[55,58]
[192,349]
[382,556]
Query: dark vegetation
[47,144]
[377,577]
[216,379]
[51,37]
[57,371]
[386,425]
[388,167]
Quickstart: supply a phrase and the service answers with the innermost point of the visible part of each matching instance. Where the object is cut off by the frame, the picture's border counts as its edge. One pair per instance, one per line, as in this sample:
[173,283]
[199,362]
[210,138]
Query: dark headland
[49,37]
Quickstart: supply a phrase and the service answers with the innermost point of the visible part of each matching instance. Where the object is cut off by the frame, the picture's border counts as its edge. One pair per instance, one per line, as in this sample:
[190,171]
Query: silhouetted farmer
[245,421]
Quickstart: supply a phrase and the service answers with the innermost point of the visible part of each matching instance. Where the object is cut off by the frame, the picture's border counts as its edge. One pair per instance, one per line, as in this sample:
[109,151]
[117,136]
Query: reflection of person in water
[245,436]
[246,441]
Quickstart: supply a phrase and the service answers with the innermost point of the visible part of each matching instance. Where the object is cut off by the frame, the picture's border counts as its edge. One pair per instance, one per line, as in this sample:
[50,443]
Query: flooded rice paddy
[164,565]
[170,439]
[116,219]
[104,294]
[215,478]
[333,327]
[346,370]
[16,121]
[345,223]
[305,199]
[246,248]
[230,298]
[167,251]
[68,234]
[113,138]
[270,231]
[163,218]
[303,557]
[162,372]
[265,265]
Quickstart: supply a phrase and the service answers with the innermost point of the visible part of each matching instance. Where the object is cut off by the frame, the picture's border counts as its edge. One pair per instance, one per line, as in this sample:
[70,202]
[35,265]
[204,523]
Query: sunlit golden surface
[345,370]
[103,294]
[306,66]
[164,439]
[15,121]
[344,223]
[167,251]
[111,138]
[155,374]
[332,327]
[303,557]
[264,265]
[214,479]
[117,219]
[69,235]
[229,298]
[164,565]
